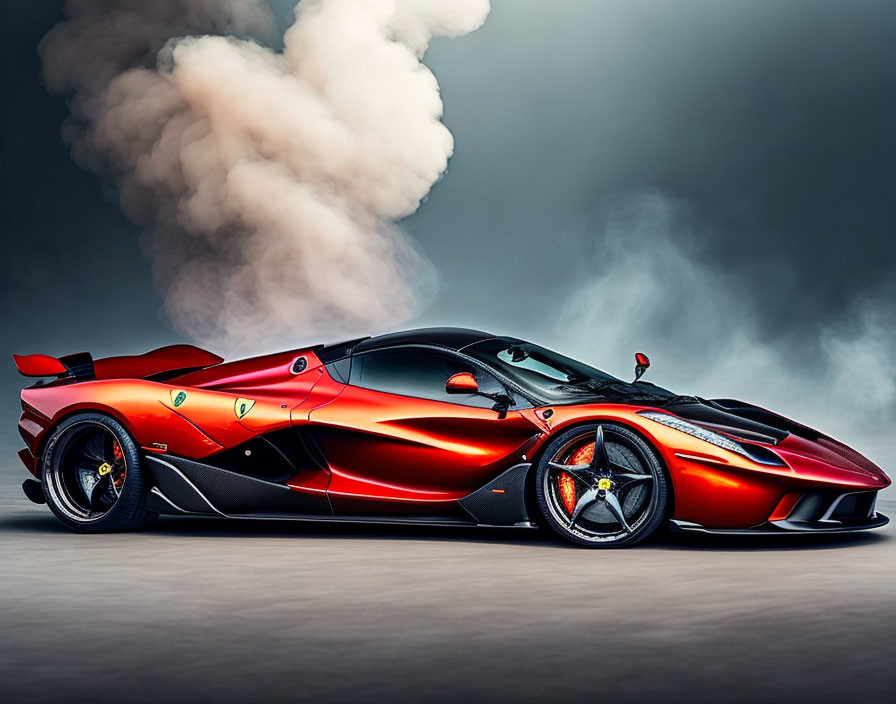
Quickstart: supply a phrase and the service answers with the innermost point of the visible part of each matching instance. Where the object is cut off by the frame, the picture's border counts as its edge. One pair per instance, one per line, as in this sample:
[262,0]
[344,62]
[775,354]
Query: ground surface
[206,610]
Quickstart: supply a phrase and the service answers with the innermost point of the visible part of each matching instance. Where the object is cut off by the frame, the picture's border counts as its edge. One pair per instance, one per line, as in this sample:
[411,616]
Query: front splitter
[878,520]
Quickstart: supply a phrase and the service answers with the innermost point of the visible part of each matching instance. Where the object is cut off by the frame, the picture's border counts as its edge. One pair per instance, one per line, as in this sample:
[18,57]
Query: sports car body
[439,425]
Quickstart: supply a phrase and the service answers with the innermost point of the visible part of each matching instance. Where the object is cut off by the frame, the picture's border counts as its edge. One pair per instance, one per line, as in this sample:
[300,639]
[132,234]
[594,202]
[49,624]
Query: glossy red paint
[164,359]
[203,423]
[255,373]
[786,505]
[396,455]
[38,365]
[378,445]
[462,383]
[172,357]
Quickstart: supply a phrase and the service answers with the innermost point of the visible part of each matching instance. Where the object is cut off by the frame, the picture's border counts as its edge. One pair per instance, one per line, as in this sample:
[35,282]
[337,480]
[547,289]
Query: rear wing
[39,365]
[81,366]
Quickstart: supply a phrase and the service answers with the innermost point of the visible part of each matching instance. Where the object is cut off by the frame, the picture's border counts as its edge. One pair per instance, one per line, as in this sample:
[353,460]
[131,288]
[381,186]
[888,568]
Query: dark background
[709,181]
[737,156]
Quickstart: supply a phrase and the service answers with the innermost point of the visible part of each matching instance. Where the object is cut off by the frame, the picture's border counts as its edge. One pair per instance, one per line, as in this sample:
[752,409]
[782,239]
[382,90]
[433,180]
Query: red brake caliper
[117,455]
[566,484]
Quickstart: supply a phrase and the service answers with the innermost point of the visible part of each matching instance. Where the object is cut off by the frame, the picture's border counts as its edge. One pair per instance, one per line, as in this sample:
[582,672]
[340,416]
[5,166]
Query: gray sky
[594,142]
[773,121]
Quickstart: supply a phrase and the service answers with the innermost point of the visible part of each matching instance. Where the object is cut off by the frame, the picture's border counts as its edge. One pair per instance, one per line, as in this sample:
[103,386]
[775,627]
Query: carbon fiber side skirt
[185,486]
[501,502]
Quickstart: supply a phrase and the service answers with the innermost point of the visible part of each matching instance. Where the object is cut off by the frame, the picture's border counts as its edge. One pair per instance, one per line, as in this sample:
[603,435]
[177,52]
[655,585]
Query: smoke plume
[269,182]
[651,289]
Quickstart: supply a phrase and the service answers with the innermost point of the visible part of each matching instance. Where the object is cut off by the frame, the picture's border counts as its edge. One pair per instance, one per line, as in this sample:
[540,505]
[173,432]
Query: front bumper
[815,512]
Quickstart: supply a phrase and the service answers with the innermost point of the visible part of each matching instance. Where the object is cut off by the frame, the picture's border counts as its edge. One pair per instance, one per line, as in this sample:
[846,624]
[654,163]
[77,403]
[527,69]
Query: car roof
[449,338]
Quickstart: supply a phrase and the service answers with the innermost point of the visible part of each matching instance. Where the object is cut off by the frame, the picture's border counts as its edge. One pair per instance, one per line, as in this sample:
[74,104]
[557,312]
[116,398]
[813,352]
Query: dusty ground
[206,610]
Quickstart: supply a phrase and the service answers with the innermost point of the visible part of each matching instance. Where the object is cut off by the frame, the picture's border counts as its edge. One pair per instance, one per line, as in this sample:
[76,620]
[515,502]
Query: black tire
[597,526]
[114,499]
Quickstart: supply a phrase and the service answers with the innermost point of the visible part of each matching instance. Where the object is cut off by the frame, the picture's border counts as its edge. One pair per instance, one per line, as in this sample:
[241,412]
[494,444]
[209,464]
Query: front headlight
[756,453]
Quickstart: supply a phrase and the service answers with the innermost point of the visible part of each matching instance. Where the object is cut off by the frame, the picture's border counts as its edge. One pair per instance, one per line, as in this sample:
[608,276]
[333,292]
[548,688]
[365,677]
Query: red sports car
[431,426]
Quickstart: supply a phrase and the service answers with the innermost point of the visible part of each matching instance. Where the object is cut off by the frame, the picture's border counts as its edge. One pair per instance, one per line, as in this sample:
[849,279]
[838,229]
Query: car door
[397,441]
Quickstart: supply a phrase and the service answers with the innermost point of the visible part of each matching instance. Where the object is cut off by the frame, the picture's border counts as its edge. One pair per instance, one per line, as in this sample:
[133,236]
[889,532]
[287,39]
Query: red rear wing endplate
[39,365]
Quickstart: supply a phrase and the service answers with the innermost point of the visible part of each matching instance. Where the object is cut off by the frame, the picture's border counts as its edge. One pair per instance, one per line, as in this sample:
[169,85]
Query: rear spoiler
[39,365]
[81,366]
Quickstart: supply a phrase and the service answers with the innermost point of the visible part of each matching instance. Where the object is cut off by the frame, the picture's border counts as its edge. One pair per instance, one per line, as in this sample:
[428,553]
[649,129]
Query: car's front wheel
[601,485]
[92,475]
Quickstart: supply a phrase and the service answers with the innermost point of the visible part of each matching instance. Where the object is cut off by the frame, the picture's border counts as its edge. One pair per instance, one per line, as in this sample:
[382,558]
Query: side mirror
[641,364]
[462,383]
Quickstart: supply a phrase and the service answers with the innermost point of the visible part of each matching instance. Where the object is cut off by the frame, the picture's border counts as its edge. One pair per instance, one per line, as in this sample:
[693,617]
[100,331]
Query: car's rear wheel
[601,485]
[92,475]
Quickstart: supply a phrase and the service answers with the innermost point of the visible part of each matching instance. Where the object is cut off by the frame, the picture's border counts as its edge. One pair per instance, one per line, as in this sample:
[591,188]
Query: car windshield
[556,378]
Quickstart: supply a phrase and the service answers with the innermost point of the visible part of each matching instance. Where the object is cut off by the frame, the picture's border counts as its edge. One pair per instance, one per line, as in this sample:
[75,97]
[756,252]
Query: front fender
[713,487]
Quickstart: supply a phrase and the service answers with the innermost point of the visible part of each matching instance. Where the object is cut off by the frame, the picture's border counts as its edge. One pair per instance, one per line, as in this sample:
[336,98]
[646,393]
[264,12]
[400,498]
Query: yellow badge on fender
[242,406]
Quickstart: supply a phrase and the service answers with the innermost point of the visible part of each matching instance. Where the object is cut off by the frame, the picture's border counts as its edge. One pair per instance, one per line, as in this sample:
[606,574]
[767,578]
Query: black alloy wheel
[92,475]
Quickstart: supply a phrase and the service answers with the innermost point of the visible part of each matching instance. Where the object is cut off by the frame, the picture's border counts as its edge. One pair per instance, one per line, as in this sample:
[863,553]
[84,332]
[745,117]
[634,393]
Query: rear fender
[136,404]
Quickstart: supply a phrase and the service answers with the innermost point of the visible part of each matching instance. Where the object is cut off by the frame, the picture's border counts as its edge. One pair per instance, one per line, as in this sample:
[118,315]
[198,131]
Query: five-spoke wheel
[601,485]
[91,475]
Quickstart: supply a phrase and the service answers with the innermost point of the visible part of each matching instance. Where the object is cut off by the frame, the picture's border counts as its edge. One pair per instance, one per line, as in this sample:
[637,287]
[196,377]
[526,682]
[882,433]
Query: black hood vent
[767,418]
[737,418]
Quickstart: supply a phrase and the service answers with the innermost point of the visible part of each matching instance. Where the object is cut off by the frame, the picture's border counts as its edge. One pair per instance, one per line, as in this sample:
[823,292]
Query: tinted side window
[419,373]
[339,369]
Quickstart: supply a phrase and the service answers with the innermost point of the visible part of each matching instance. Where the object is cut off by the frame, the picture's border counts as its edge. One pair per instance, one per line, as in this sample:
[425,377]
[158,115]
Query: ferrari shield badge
[242,406]
[178,396]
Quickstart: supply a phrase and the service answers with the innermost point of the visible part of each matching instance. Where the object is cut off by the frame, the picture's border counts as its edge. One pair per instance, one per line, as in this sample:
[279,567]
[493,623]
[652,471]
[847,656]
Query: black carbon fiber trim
[233,493]
[501,502]
[157,502]
[79,365]
[176,488]
[854,507]
[273,457]
[878,520]
[269,458]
